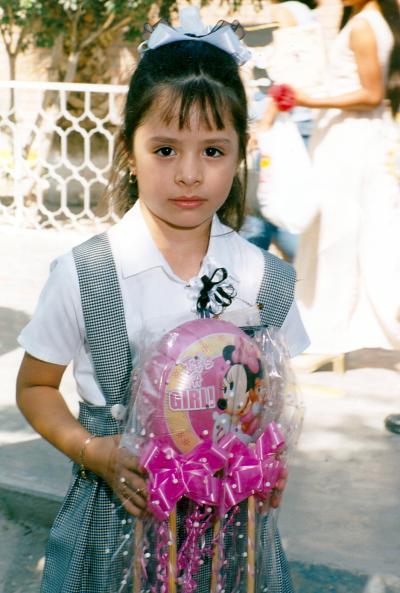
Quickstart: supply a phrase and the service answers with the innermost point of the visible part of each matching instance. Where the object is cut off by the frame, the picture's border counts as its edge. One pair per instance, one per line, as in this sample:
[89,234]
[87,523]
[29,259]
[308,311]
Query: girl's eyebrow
[217,141]
[163,139]
[175,140]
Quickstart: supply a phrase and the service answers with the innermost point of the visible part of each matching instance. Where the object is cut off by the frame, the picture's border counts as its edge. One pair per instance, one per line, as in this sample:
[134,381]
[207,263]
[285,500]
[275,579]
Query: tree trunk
[49,97]
[12,62]
[72,66]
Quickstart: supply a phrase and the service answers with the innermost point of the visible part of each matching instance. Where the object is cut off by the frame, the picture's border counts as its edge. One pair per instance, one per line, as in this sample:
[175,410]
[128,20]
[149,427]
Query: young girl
[175,176]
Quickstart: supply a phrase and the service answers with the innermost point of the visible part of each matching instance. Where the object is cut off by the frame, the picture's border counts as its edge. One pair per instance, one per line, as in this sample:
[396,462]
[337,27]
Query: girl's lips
[186,202]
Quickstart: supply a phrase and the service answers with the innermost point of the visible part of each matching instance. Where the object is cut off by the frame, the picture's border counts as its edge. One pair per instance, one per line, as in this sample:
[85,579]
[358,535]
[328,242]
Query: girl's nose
[188,171]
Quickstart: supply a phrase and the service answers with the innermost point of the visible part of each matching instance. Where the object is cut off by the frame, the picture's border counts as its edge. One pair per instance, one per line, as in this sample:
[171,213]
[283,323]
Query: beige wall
[32,65]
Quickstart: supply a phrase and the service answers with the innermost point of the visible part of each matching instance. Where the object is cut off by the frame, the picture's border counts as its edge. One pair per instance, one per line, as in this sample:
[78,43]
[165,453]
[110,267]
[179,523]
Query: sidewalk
[340,521]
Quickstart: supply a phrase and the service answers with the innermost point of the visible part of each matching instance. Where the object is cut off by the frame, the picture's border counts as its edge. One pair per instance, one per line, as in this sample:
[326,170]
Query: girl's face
[184,176]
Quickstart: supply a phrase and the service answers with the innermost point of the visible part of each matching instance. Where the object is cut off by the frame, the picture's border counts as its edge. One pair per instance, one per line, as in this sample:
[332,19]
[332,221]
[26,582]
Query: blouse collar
[137,251]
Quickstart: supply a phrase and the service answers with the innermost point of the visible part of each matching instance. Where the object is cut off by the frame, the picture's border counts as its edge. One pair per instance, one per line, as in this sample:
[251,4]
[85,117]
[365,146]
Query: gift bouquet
[214,416]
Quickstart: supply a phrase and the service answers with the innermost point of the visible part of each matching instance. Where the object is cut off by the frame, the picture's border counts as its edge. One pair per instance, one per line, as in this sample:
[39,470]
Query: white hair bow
[223,35]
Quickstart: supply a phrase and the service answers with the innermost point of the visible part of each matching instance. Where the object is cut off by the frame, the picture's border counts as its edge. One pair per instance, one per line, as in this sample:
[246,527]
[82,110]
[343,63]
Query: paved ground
[340,520]
[21,556]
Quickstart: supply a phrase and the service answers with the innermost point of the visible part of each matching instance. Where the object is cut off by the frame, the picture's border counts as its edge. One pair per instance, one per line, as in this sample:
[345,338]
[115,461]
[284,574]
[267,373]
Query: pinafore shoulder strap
[276,292]
[104,317]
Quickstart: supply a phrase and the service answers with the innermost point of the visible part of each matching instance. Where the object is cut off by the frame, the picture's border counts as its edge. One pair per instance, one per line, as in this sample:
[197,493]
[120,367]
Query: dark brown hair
[391,13]
[186,74]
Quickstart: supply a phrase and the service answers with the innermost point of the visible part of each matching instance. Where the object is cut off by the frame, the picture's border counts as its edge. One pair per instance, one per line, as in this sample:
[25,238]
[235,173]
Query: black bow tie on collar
[215,295]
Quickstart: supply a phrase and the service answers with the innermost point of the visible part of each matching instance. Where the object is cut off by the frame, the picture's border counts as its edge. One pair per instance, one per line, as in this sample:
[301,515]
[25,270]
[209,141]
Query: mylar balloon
[206,379]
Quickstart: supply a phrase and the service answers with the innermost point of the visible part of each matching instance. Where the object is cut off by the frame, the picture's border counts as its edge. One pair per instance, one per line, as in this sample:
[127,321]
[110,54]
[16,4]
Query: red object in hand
[283,95]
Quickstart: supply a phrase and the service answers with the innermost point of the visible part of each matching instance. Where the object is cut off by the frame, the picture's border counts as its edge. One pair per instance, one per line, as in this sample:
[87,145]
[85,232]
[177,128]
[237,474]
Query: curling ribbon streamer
[172,475]
[251,470]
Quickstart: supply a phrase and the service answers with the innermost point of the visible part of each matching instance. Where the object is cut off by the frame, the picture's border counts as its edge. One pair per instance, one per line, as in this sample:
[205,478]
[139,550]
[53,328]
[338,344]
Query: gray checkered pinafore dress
[87,530]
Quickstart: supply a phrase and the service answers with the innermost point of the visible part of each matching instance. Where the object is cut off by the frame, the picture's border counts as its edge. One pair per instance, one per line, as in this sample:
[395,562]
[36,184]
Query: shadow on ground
[373,358]
[11,323]
[22,547]
[313,578]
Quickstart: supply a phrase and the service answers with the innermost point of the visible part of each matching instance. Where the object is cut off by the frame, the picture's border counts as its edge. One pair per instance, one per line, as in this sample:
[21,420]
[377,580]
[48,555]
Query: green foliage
[19,22]
[78,26]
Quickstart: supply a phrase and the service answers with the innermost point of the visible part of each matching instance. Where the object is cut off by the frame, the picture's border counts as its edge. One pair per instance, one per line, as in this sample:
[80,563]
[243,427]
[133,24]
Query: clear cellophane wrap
[214,416]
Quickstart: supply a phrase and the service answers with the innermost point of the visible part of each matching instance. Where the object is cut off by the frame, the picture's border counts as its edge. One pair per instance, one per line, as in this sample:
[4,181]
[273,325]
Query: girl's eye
[213,152]
[165,151]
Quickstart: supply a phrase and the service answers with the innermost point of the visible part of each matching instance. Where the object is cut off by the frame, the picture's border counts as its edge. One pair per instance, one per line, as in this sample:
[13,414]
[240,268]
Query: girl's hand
[121,470]
[274,501]
[276,496]
[130,485]
[41,402]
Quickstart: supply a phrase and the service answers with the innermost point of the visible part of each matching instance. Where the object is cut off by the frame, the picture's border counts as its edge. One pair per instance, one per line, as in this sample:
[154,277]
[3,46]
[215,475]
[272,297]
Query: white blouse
[154,298]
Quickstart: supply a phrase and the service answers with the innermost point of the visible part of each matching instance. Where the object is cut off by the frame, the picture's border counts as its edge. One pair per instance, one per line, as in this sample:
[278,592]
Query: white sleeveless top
[343,74]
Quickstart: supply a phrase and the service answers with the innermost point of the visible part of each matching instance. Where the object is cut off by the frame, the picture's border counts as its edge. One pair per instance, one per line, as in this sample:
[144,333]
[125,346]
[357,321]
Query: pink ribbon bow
[251,470]
[172,475]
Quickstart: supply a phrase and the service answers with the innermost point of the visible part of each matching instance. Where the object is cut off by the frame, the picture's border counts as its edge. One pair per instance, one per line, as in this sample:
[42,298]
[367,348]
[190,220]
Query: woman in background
[348,259]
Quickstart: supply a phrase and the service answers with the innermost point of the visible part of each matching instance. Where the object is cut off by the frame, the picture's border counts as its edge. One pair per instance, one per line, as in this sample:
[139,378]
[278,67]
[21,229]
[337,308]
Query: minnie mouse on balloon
[244,393]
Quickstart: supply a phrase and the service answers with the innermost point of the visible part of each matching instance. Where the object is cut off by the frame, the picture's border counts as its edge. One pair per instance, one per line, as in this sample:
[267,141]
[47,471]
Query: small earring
[132,178]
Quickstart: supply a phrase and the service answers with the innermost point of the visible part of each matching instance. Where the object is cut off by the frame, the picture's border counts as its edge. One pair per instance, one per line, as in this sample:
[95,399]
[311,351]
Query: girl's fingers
[275,500]
[276,495]
[283,474]
[136,500]
[281,484]
[132,509]
[133,499]
[132,485]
